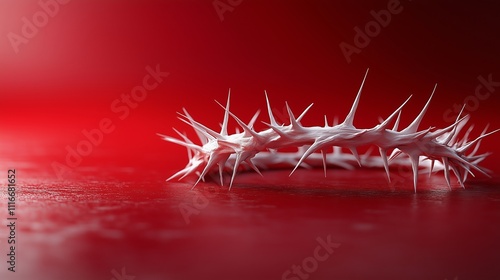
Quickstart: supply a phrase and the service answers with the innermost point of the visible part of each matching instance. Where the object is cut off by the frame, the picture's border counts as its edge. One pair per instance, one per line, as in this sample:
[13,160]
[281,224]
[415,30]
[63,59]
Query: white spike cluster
[435,149]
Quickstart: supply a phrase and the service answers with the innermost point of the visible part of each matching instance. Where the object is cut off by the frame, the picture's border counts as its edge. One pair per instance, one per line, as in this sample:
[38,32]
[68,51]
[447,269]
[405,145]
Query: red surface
[85,229]
[113,208]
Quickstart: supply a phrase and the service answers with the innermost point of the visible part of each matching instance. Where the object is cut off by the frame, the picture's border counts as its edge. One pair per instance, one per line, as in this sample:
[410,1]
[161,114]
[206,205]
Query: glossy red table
[131,223]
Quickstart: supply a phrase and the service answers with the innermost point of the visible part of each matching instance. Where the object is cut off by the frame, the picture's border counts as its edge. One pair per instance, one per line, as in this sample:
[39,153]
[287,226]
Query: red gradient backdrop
[64,79]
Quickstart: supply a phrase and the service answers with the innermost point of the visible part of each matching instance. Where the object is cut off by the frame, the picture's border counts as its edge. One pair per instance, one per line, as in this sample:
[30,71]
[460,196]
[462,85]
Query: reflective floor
[131,224]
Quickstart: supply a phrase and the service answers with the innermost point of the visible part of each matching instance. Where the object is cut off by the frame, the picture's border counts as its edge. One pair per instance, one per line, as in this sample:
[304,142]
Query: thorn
[201,134]
[323,155]
[235,168]
[395,153]
[183,171]
[397,113]
[350,117]
[232,145]
[476,148]
[457,175]
[246,128]
[222,164]
[453,129]
[252,165]
[337,150]
[366,155]
[468,145]
[270,112]
[304,112]
[326,121]
[221,169]
[466,136]
[315,146]
[464,162]
[396,124]
[414,125]
[293,121]
[223,130]
[277,130]
[414,165]
[207,132]
[182,143]
[356,155]
[212,159]
[187,140]
[447,172]
[254,118]
[432,167]
[465,175]
[383,154]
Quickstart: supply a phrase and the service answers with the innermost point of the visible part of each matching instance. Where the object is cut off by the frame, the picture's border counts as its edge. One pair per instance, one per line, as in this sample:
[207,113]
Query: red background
[65,78]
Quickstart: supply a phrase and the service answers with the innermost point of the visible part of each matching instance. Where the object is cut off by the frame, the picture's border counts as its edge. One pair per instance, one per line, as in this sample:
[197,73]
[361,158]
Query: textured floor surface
[129,224]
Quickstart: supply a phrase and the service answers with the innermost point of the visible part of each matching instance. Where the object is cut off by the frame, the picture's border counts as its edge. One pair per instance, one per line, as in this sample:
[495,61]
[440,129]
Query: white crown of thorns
[434,149]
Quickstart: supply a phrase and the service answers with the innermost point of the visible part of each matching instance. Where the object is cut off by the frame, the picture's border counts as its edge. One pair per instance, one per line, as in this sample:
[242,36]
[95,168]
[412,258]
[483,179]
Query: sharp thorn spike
[202,135]
[304,112]
[396,124]
[270,112]
[245,127]
[350,117]
[316,145]
[221,177]
[447,172]
[356,155]
[293,121]
[414,165]
[254,118]
[335,120]
[182,143]
[223,131]
[235,169]
[414,125]
[323,156]
[383,154]
[468,145]
[396,113]
[207,132]
[432,167]
[457,175]
[255,168]
[395,153]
